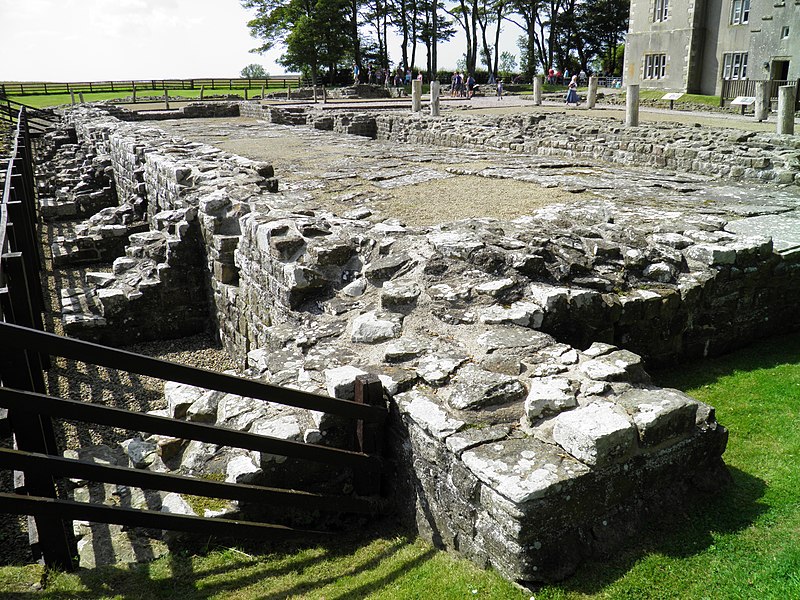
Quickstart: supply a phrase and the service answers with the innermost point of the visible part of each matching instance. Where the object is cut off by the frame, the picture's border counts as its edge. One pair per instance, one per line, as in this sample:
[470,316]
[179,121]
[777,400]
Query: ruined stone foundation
[513,440]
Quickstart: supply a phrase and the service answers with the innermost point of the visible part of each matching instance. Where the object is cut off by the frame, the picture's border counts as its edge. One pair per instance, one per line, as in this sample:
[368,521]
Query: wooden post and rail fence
[27,411]
[733,88]
[31,88]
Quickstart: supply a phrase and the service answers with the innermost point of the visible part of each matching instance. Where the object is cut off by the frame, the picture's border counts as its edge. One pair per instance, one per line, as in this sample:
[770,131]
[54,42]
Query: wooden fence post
[369,437]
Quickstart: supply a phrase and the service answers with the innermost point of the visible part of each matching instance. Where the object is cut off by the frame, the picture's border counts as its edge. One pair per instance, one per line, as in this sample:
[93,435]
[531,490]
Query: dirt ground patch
[468,196]
[341,167]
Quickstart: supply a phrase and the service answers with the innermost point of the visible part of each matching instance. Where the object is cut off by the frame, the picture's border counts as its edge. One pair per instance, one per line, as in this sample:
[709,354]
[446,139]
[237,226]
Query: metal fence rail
[26,411]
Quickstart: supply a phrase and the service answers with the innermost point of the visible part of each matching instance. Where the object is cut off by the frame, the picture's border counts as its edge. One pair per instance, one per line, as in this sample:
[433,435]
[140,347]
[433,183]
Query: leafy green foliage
[254,71]
[508,63]
[314,32]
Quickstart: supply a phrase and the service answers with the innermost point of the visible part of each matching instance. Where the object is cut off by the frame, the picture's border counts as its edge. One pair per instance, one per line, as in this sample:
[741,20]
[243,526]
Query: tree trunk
[354,33]
[499,17]
[404,28]
[434,33]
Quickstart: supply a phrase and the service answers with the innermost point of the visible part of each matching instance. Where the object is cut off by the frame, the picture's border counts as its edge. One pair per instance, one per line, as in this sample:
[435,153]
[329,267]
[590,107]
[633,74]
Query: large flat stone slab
[784,229]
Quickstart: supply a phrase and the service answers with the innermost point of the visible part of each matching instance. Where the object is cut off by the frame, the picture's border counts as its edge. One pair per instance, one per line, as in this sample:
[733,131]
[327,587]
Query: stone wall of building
[735,155]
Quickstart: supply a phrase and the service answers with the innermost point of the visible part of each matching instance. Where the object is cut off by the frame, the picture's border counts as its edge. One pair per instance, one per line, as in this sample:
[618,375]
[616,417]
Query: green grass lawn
[686,98]
[46,100]
[741,543]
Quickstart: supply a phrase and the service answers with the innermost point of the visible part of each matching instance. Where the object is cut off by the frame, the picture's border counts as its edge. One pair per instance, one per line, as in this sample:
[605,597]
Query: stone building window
[740,12]
[661,10]
[734,65]
[655,66]
[785,32]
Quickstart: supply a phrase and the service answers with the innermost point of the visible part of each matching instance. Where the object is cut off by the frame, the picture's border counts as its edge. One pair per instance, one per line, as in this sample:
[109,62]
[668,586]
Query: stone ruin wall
[736,155]
[511,446]
[182,188]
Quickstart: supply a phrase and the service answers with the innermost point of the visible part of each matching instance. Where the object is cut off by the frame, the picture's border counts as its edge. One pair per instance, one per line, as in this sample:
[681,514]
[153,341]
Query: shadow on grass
[691,529]
[763,354]
[330,562]
[687,531]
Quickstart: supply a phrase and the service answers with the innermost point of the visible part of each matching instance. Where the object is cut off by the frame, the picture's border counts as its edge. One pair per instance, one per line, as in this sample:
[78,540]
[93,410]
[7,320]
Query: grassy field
[742,543]
[685,99]
[44,101]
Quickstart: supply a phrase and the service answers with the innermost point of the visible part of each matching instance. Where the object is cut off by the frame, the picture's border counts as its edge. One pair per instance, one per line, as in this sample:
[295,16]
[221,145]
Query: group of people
[462,85]
[556,77]
[381,75]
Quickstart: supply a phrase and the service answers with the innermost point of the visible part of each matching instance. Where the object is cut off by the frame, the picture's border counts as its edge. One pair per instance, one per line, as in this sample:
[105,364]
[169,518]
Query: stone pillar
[632,106]
[762,100]
[133,92]
[245,93]
[537,90]
[434,98]
[314,88]
[591,98]
[324,95]
[786,102]
[80,97]
[263,90]
[166,99]
[72,97]
[416,95]
[202,91]
[288,92]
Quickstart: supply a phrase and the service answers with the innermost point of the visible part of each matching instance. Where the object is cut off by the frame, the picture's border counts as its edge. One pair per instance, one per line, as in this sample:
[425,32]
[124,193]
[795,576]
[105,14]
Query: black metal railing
[27,411]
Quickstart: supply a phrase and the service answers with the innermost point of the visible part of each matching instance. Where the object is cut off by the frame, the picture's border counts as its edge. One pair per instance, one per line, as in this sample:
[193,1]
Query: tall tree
[402,12]
[601,26]
[314,32]
[440,29]
[491,12]
[375,14]
[523,14]
[465,13]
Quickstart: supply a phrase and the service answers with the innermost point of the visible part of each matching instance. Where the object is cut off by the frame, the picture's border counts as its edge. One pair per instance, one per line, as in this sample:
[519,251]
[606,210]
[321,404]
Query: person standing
[470,85]
[355,73]
[572,92]
[499,89]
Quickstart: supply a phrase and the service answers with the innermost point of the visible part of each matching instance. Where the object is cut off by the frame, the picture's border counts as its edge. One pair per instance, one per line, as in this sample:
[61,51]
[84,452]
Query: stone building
[693,45]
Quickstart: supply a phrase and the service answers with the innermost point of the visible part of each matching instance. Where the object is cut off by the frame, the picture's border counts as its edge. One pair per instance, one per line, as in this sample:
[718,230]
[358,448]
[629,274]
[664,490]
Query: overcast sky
[92,40]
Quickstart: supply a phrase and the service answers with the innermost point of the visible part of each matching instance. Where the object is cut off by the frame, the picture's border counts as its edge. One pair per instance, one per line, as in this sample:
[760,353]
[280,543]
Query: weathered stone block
[596,434]
[473,388]
[549,395]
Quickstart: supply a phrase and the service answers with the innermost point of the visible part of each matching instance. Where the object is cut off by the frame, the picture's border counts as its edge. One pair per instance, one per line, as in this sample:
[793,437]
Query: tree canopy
[324,37]
[254,71]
